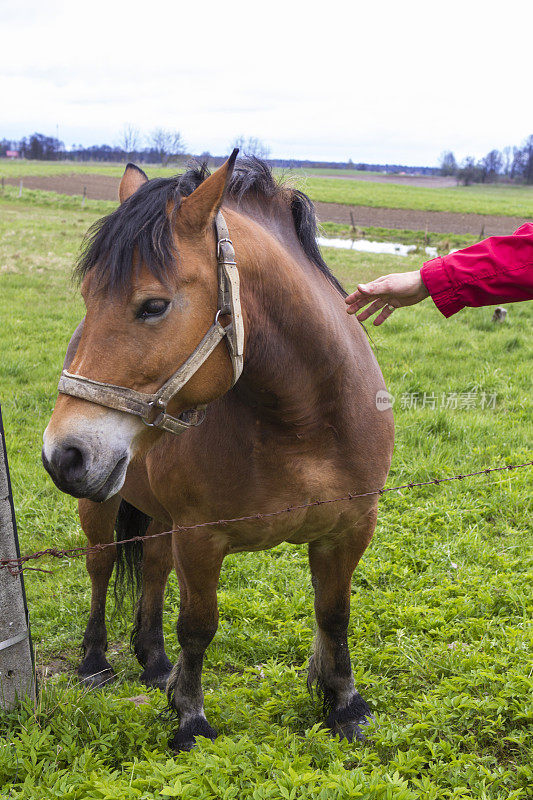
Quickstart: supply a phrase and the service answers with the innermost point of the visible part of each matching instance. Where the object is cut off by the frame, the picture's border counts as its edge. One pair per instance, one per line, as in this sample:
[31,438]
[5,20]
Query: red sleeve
[496,270]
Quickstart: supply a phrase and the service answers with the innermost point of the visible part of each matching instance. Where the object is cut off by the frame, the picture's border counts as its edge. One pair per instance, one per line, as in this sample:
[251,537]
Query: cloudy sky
[376,81]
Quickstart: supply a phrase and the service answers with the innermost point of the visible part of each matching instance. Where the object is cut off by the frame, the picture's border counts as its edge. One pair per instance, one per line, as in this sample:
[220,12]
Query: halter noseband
[152,408]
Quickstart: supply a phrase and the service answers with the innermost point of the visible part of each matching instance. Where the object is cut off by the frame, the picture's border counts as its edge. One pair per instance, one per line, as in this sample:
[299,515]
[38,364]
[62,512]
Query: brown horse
[301,423]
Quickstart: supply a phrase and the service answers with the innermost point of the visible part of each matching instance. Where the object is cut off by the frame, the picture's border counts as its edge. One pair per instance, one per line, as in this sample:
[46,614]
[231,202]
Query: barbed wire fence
[15,566]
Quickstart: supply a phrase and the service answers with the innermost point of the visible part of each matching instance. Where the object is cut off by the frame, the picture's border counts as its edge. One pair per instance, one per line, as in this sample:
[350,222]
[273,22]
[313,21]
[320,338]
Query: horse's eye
[152,308]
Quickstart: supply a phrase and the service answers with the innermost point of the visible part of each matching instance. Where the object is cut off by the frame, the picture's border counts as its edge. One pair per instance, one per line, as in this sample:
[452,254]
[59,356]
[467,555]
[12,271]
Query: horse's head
[151,291]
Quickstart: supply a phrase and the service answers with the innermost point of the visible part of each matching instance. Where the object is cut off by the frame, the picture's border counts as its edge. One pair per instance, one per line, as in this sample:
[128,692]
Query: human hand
[387,293]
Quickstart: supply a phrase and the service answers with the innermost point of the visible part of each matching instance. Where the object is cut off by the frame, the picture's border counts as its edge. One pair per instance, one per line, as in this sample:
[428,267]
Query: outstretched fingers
[387,292]
[385,314]
[372,309]
[366,293]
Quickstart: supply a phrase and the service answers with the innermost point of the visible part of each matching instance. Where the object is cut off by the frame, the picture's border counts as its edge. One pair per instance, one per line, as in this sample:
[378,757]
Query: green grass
[440,603]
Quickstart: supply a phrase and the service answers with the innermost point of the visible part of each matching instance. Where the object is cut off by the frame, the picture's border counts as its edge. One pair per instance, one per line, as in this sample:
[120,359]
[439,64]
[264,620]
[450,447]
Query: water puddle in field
[367,246]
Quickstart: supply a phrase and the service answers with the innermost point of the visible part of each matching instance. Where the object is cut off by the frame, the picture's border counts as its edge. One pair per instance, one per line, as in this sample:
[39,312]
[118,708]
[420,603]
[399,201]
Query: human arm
[497,270]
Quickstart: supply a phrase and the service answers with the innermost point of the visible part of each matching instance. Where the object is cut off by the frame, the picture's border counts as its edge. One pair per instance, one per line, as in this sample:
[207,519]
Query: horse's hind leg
[197,560]
[332,564]
[148,641]
[98,522]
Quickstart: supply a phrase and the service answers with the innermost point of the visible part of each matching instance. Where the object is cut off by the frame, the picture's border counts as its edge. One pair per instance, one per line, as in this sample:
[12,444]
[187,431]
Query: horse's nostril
[70,463]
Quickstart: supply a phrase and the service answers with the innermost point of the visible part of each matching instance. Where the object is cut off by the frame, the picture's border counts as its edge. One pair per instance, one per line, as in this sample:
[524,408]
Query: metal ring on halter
[222,312]
[154,404]
[389,307]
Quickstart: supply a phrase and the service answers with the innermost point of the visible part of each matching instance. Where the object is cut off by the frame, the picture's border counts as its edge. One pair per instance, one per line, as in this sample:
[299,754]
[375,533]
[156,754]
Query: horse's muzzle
[74,471]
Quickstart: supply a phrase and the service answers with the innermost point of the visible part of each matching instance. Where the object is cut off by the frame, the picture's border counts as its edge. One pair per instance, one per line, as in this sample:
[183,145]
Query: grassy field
[18,168]
[337,173]
[494,199]
[439,630]
[53,201]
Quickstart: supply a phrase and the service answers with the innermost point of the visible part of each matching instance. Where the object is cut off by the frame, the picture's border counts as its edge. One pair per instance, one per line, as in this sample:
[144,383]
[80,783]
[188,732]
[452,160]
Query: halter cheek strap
[151,408]
[229,295]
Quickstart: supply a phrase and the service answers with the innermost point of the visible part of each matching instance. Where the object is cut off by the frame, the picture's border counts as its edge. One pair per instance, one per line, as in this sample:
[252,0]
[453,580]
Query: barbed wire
[15,565]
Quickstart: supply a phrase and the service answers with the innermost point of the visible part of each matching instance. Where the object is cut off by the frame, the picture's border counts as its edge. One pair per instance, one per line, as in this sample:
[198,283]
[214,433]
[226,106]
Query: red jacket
[496,270]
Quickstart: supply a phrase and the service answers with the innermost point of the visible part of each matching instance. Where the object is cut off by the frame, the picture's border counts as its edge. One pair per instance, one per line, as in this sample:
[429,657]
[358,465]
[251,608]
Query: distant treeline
[511,164]
[169,147]
[48,148]
[165,146]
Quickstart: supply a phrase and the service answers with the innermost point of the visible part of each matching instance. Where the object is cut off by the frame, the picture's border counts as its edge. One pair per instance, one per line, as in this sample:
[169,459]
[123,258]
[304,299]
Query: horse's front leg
[197,560]
[148,640]
[98,523]
[332,564]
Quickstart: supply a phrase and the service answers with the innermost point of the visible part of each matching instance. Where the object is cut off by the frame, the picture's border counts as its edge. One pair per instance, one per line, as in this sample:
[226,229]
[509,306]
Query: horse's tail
[128,575]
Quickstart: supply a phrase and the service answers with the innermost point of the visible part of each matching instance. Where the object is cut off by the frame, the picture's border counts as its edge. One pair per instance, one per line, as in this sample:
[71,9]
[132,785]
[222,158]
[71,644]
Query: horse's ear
[199,208]
[133,178]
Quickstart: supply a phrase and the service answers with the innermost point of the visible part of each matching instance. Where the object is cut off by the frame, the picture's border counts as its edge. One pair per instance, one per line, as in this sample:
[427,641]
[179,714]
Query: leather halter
[152,408]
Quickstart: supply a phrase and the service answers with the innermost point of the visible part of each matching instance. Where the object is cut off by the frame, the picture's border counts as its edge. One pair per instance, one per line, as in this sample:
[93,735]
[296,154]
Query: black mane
[143,224]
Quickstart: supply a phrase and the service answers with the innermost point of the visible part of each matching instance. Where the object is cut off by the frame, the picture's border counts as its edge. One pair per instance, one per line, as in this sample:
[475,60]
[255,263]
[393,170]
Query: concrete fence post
[17,678]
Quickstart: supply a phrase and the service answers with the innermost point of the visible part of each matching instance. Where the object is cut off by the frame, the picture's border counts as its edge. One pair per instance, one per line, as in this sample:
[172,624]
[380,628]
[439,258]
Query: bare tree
[251,146]
[469,172]
[167,143]
[527,151]
[448,164]
[130,139]
[492,165]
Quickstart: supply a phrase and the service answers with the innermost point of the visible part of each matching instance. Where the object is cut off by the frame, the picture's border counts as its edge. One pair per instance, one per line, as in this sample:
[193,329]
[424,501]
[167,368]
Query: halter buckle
[224,240]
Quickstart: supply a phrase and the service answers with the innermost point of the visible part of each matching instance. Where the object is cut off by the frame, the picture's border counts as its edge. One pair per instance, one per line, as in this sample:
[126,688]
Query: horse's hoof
[185,738]
[155,681]
[349,722]
[350,731]
[96,680]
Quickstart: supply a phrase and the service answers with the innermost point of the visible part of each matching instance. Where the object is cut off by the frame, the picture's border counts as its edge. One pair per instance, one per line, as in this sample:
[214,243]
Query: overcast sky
[377,82]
